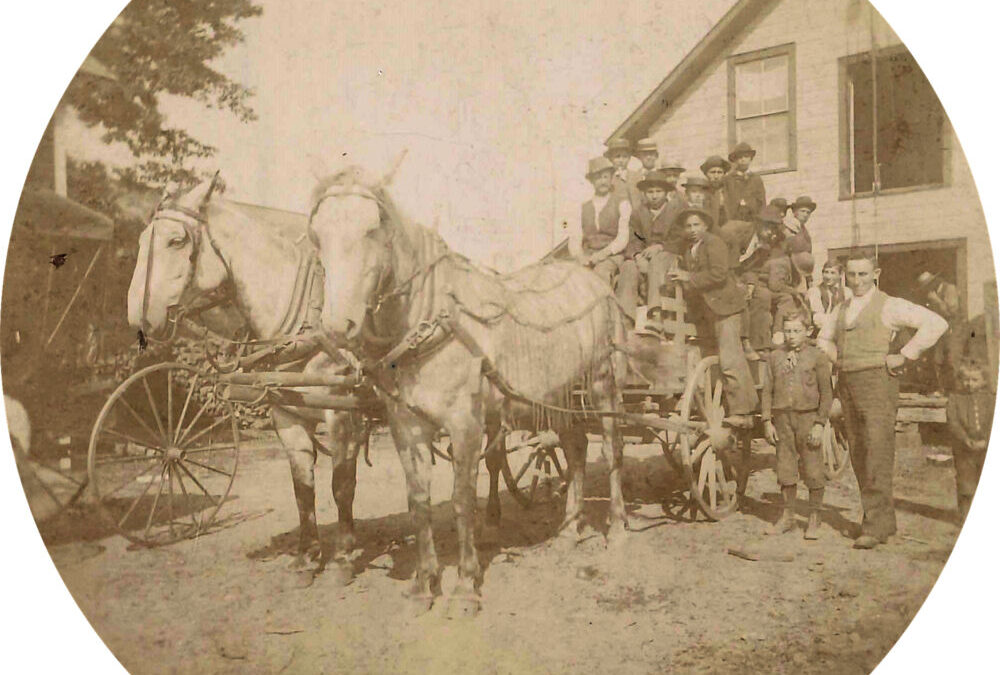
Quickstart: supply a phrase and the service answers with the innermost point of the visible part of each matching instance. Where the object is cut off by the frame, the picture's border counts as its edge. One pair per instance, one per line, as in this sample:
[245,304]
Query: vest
[866,344]
[600,229]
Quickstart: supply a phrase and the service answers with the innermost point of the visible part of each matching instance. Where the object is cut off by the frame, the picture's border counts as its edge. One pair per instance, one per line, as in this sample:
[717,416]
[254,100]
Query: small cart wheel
[709,469]
[836,451]
[163,455]
[534,465]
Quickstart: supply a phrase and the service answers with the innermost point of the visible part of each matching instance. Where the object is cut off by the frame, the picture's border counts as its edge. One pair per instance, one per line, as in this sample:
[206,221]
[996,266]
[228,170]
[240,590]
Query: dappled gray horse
[453,347]
[197,248]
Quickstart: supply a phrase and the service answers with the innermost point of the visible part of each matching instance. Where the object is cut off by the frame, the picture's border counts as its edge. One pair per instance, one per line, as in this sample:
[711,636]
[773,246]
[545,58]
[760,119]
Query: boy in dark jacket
[795,406]
[717,304]
[970,418]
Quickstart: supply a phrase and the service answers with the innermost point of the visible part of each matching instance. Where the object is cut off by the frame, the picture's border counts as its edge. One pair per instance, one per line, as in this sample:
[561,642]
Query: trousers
[627,285]
[870,398]
[737,381]
[794,452]
[658,266]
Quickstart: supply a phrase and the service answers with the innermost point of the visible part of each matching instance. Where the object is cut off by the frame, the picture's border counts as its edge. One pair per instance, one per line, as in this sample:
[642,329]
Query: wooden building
[837,109]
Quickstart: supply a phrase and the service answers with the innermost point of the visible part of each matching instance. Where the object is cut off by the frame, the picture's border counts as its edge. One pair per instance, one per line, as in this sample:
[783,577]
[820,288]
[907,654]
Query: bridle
[196,228]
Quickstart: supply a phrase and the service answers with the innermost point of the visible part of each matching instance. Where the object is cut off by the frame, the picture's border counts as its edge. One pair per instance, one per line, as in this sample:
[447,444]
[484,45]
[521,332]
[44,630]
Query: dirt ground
[672,598]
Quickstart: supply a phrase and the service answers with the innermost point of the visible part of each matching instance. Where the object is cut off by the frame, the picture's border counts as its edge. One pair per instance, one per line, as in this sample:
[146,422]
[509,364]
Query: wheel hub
[174,453]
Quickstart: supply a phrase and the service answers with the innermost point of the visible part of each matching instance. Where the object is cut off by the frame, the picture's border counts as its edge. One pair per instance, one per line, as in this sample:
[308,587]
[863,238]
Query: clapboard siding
[696,125]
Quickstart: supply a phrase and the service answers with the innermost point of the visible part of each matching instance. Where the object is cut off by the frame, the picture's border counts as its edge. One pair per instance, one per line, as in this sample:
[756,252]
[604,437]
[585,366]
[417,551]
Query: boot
[786,523]
[815,504]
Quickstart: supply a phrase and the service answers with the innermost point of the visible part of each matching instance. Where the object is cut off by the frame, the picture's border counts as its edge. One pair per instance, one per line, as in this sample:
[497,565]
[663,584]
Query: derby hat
[597,165]
[653,179]
[644,145]
[771,214]
[697,181]
[712,162]
[741,148]
[671,165]
[781,203]
[804,202]
[616,145]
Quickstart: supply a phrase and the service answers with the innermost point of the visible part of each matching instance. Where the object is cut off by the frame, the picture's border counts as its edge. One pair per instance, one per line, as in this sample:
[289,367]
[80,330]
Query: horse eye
[177,242]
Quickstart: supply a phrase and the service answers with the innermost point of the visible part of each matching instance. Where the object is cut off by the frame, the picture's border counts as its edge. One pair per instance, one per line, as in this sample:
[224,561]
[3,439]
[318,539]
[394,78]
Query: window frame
[759,55]
[844,149]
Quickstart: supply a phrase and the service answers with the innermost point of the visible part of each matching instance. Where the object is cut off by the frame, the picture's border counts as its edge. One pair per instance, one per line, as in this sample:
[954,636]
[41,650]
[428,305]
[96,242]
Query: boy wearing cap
[656,241]
[623,180]
[970,418]
[795,405]
[600,241]
[744,190]
[716,304]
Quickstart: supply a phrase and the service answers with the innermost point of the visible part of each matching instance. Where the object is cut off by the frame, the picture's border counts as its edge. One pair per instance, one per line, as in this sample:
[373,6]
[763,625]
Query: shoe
[786,523]
[866,542]
[812,527]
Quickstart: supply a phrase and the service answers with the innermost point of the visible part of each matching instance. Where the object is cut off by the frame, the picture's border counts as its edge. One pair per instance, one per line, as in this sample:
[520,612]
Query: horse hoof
[463,606]
[419,603]
[341,573]
[304,578]
[617,537]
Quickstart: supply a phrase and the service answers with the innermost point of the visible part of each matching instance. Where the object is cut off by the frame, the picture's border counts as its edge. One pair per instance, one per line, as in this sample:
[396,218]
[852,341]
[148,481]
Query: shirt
[897,314]
[797,380]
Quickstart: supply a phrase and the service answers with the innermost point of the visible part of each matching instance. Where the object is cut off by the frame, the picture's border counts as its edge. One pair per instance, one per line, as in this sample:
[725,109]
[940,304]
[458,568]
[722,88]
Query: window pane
[761,86]
[748,86]
[774,84]
[769,136]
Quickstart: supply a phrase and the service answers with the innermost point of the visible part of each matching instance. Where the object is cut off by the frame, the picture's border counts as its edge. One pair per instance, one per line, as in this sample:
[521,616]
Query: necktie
[790,361]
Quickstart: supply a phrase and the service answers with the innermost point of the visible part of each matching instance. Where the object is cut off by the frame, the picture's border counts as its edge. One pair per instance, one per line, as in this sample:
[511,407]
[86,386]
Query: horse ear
[199,196]
[216,185]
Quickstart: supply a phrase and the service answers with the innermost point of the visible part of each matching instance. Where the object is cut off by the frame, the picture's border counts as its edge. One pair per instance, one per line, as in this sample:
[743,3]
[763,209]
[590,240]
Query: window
[762,106]
[892,125]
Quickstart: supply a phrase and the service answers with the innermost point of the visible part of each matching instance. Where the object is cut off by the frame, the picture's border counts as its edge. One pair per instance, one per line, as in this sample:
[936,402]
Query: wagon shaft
[281,379]
[247,394]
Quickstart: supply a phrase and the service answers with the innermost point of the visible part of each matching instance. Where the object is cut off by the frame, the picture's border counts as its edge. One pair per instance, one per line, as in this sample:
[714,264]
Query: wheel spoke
[170,406]
[187,401]
[188,501]
[139,419]
[524,469]
[198,483]
[128,460]
[557,463]
[201,411]
[712,484]
[702,477]
[208,467]
[717,396]
[152,511]
[138,499]
[170,504]
[132,439]
[133,478]
[221,420]
[152,407]
[706,391]
[211,447]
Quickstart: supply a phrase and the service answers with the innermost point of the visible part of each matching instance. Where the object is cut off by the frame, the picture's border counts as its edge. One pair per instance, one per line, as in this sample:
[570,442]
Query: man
[656,240]
[647,153]
[858,341]
[942,298]
[623,180]
[672,169]
[744,190]
[715,168]
[717,303]
[798,241]
[600,241]
[698,193]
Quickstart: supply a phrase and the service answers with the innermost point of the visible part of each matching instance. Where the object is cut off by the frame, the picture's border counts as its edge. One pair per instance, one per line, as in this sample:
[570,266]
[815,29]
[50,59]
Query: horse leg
[298,443]
[574,444]
[345,442]
[466,437]
[604,391]
[413,446]
[494,464]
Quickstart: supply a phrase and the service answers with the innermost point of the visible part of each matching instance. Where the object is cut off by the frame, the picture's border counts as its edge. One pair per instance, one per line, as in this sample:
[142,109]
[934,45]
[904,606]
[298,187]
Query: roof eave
[673,85]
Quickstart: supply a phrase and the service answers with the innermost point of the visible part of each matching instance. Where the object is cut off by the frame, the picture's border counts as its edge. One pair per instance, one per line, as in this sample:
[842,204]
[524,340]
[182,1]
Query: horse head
[349,224]
[175,262]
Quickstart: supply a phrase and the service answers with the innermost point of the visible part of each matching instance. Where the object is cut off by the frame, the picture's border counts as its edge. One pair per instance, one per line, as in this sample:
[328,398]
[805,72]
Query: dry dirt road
[672,598]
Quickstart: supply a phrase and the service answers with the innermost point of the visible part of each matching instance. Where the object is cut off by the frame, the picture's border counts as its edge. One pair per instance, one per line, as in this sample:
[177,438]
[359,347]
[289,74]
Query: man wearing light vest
[858,339]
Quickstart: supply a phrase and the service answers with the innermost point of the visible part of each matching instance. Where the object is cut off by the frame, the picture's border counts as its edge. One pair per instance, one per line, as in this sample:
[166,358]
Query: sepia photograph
[523,337]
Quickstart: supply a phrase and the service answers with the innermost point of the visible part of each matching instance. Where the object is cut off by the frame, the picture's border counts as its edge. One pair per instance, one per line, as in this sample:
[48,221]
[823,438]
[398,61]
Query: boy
[715,168]
[717,304]
[795,405]
[656,240]
[600,241]
[744,191]
[623,180]
[798,242]
[970,418]
[823,299]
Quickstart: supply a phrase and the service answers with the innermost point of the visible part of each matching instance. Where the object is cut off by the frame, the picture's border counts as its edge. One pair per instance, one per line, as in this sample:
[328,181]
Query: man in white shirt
[858,340]
[600,241]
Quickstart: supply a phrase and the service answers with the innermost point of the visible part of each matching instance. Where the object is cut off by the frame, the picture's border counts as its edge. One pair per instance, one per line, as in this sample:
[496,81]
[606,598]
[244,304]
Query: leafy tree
[158,47]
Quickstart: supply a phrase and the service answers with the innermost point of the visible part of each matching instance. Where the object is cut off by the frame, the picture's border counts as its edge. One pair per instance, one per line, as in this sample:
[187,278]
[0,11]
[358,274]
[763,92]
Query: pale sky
[498,104]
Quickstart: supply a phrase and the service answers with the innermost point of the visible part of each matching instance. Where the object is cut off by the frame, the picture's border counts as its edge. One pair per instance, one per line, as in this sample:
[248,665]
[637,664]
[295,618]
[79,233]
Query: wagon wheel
[49,491]
[535,464]
[707,453]
[163,455]
[836,451]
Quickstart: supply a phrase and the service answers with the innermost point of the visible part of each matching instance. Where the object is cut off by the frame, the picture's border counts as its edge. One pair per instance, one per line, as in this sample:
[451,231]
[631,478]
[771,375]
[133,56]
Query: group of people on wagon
[746,271]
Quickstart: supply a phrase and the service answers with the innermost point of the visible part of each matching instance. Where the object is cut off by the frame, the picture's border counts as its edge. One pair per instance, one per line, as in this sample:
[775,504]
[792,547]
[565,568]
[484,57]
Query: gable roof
[715,42]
